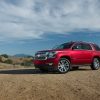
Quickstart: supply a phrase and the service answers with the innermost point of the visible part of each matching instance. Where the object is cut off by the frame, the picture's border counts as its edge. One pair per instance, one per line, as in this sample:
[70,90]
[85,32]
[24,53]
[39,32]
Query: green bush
[8,61]
[0,59]
[4,55]
[27,63]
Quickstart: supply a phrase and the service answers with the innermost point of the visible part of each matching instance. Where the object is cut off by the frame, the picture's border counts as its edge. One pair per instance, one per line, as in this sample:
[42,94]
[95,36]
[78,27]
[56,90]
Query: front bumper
[50,64]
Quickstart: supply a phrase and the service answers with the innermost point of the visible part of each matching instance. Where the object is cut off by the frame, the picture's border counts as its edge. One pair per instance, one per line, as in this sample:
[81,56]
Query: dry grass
[31,84]
[10,66]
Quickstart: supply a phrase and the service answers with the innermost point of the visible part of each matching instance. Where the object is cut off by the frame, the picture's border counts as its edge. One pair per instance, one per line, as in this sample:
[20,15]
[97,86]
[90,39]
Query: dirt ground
[31,84]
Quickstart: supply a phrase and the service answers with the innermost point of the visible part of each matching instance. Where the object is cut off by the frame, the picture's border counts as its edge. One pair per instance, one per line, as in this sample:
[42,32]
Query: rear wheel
[63,65]
[95,64]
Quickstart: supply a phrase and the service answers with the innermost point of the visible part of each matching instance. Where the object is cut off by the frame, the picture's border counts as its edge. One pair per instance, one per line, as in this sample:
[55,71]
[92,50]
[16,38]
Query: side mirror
[73,48]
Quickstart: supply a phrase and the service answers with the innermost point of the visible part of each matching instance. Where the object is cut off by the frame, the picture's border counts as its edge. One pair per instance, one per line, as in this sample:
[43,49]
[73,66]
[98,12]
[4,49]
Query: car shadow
[33,71]
[82,69]
[21,71]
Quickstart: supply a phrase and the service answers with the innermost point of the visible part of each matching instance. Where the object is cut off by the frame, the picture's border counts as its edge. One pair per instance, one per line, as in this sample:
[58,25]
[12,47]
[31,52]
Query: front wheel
[63,65]
[95,64]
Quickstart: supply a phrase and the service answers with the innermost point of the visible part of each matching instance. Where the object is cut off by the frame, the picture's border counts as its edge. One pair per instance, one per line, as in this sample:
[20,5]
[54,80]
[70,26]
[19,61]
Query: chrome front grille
[41,56]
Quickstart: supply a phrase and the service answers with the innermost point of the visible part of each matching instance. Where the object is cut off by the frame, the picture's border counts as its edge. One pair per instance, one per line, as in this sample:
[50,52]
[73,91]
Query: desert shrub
[1,59]
[27,63]
[8,61]
[4,55]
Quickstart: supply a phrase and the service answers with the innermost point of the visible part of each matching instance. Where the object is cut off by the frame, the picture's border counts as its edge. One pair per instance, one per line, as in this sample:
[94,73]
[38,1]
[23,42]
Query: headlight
[51,54]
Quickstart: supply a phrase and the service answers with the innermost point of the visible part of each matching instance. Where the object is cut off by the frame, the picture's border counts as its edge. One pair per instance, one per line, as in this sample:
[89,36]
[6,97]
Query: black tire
[95,64]
[63,65]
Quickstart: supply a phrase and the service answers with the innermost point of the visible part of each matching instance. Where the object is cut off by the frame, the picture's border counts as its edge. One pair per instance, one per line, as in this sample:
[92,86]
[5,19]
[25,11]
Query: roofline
[81,42]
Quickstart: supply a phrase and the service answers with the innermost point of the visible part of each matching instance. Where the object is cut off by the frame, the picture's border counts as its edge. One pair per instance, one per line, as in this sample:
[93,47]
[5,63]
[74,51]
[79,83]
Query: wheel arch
[96,57]
[67,57]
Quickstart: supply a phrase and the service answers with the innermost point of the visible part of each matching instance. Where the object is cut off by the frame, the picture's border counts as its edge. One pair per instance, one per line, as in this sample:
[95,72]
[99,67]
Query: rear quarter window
[97,48]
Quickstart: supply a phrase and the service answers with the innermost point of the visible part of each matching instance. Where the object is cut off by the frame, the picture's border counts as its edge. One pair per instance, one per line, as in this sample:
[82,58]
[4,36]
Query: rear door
[81,54]
[87,53]
[77,54]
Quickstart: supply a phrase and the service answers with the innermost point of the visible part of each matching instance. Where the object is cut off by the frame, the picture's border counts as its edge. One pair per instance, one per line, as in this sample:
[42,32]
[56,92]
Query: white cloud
[25,19]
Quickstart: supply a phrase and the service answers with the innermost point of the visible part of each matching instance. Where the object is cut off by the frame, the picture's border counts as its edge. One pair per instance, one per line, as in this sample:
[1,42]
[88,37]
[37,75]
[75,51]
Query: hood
[54,50]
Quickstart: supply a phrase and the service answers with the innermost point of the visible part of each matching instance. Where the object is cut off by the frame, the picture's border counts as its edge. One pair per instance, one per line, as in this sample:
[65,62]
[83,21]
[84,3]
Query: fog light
[50,64]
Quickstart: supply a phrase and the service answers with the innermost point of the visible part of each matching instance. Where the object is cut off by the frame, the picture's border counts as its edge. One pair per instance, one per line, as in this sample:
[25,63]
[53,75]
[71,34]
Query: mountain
[22,55]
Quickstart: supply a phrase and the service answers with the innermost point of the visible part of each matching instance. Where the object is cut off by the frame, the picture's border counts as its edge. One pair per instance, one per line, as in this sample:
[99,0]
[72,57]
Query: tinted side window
[96,47]
[77,46]
[86,47]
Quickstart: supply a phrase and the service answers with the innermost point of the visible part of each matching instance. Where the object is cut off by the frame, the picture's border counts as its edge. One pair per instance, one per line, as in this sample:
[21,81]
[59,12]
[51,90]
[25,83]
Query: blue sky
[27,26]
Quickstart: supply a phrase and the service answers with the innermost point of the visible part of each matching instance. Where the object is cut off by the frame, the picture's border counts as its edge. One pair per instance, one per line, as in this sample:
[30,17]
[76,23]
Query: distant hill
[22,55]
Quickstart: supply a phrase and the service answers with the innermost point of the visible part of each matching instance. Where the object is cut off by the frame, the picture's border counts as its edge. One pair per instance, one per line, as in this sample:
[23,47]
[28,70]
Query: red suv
[67,56]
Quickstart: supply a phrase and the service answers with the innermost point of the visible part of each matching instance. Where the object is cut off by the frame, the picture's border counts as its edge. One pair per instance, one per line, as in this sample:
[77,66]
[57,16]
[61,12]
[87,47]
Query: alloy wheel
[63,65]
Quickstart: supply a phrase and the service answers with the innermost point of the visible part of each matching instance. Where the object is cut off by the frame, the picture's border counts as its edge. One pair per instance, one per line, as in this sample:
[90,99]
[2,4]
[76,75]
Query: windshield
[64,46]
